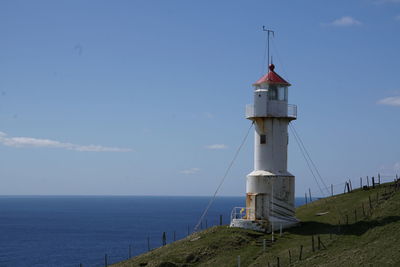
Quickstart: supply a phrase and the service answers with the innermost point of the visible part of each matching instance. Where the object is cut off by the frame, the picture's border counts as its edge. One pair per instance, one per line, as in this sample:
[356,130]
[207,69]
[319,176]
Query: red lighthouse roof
[271,78]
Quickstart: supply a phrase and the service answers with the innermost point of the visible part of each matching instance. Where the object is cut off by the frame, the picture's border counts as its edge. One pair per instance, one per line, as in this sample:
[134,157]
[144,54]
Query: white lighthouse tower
[269,187]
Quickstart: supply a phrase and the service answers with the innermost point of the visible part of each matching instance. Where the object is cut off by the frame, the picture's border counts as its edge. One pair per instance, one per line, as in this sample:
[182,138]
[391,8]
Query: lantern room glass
[282,93]
[279,93]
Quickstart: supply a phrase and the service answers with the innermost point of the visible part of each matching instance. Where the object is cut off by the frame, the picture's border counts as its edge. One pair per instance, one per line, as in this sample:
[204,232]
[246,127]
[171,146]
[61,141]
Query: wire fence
[152,241]
[313,194]
[349,222]
[158,239]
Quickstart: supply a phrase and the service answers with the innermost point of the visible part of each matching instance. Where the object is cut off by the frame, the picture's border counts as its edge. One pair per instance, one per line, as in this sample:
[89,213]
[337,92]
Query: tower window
[282,94]
[263,139]
[273,92]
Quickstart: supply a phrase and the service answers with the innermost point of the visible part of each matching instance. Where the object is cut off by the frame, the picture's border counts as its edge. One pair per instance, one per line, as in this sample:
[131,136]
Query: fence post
[105,260]
[309,190]
[305,195]
[332,190]
[312,243]
[370,203]
[367,182]
[220,219]
[348,187]
[362,204]
[290,257]
[339,227]
[280,230]
[301,252]
[238,261]
[355,215]
[360,182]
[320,243]
[164,239]
[379,178]
[277,261]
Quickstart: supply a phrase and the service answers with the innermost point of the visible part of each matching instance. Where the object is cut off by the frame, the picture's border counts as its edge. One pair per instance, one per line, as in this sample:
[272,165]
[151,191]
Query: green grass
[368,238]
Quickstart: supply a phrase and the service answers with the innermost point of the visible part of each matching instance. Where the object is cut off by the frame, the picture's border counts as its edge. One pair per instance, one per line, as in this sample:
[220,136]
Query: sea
[93,230]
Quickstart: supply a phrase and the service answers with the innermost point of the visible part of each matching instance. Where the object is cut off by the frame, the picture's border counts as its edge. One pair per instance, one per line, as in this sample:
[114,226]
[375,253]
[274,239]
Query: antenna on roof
[273,35]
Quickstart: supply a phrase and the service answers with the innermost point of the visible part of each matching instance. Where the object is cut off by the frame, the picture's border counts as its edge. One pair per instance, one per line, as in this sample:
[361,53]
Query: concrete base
[248,224]
[265,226]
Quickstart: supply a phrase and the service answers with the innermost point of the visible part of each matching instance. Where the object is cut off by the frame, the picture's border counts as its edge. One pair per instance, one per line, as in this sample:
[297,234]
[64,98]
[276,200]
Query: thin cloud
[345,21]
[190,171]
[47,143]
[217,146]
[390,101]
[208,115]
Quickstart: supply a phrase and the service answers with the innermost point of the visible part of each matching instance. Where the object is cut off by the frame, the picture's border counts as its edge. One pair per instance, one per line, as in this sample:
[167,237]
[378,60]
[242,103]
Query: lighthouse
[269,187]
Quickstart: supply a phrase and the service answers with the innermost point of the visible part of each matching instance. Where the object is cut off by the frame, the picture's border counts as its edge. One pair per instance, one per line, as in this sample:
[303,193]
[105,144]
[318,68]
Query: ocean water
[73,230]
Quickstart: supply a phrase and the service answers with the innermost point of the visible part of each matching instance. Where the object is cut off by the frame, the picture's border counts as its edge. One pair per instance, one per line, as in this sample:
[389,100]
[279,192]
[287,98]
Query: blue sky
[148,97]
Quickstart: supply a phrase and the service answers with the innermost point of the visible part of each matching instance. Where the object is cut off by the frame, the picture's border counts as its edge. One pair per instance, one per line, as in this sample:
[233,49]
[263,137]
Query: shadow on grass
[358,228]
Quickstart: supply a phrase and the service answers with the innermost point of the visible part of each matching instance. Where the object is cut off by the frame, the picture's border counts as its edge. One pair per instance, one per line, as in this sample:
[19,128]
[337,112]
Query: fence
[348,221]
[152,241]
[156,240]
[348,185]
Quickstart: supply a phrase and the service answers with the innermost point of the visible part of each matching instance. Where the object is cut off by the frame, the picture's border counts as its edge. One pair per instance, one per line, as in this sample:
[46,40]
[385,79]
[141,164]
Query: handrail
[240,213]
[272,111]
[292,111]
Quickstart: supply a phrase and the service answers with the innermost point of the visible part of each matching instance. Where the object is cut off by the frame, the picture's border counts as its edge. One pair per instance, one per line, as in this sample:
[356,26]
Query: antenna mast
[268,33]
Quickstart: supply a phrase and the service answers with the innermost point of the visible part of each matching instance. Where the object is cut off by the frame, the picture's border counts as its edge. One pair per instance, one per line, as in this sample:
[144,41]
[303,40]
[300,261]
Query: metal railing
[272,111]
[292,111]
[250,111]
[241,213]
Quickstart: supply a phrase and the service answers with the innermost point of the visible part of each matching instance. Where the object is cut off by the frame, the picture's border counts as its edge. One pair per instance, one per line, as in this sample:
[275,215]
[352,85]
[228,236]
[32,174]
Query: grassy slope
[369,240]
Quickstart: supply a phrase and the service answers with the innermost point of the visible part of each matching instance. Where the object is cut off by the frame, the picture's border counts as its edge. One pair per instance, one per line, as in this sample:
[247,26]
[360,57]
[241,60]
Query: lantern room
[277,87]
[271,97]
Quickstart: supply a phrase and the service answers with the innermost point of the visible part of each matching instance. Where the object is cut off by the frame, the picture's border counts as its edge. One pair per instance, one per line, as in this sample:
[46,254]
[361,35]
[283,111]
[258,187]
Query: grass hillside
[350,236]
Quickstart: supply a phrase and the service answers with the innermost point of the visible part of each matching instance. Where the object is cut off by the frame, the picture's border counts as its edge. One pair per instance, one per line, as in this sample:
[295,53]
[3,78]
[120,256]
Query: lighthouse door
[262,206]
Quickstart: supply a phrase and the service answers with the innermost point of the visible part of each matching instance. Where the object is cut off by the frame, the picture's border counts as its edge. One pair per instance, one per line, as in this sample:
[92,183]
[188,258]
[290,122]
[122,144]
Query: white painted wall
[270,187]
[271,156]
